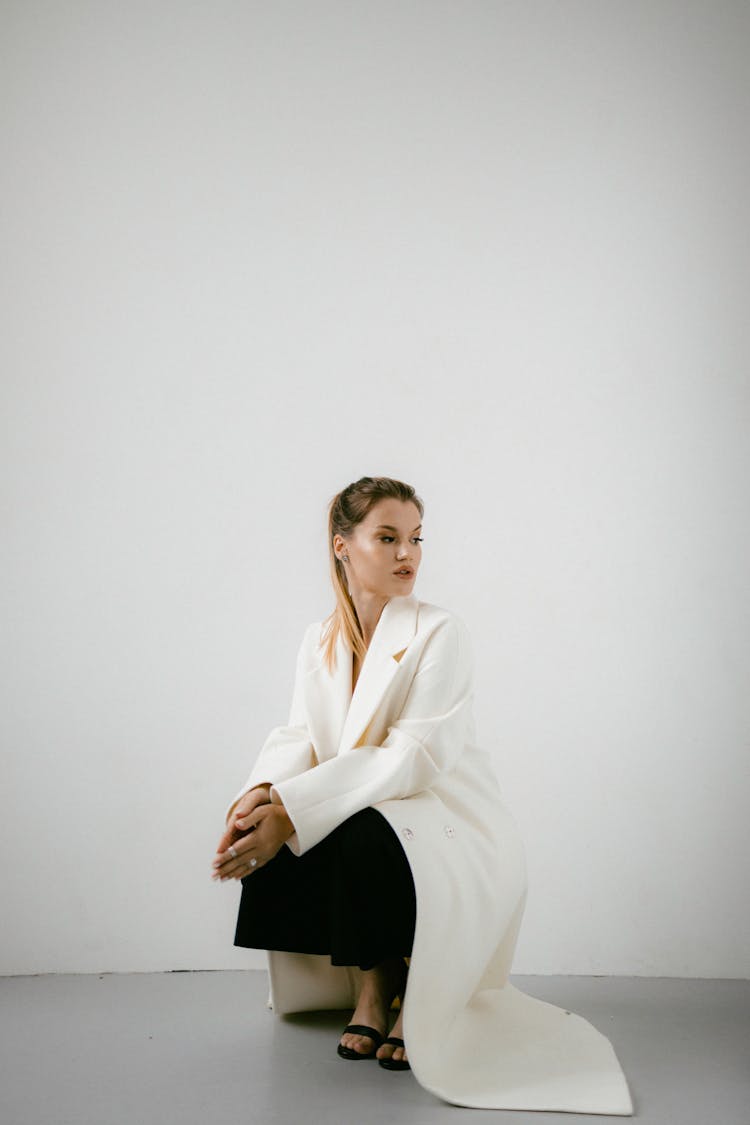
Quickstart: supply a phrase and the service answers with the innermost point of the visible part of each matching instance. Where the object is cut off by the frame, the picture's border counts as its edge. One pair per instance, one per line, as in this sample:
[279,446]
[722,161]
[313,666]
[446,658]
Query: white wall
[254,251]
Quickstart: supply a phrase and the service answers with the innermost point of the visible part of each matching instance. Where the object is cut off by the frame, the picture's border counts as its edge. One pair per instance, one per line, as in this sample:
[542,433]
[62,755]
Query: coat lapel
[393,633]
[340,719]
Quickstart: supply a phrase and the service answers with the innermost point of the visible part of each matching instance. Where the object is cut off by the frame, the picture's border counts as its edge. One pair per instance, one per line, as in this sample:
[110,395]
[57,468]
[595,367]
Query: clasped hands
[256,830]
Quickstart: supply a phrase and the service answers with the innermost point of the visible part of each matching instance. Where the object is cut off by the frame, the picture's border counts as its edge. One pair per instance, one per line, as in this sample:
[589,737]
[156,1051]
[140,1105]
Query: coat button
[449,830]
[408,834]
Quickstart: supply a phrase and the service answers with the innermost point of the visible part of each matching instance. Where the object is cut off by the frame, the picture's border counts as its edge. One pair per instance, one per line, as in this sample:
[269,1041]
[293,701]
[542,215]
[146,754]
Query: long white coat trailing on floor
[404,743]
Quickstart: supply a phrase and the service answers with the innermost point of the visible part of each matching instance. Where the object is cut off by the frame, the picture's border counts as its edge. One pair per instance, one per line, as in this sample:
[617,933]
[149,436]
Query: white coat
[404,743]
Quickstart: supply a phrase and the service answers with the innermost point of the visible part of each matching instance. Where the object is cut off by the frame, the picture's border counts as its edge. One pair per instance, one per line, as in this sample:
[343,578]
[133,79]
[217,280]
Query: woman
[371,836]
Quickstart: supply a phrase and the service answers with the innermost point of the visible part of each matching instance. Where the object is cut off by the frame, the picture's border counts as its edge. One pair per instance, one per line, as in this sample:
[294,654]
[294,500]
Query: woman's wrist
[285,822]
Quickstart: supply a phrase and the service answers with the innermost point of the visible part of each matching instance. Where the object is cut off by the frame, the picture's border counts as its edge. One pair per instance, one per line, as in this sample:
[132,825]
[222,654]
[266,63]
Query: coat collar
[348,715]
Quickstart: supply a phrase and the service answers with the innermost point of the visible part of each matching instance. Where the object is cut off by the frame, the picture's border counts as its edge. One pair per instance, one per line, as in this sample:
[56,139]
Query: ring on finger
[232,851]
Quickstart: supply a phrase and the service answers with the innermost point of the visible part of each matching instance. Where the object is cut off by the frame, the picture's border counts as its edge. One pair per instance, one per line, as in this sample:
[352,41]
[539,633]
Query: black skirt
[350,896]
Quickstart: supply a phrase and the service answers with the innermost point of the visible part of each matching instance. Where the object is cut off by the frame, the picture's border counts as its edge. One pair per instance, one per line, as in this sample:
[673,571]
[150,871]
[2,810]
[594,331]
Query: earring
[345,558]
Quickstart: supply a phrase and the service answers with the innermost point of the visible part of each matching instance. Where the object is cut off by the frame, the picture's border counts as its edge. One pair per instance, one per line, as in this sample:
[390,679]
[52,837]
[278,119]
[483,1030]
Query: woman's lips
[399,574]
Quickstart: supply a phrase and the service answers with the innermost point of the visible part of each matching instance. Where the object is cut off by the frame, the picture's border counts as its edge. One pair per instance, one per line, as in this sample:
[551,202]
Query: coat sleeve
[424,742]
[288,750]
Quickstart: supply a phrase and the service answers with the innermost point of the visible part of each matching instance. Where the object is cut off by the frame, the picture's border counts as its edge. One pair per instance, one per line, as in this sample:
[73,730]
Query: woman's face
[384,543]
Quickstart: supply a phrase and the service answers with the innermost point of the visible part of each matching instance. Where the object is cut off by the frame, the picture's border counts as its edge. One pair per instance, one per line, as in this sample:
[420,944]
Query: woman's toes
[388,1051]
[362,1044]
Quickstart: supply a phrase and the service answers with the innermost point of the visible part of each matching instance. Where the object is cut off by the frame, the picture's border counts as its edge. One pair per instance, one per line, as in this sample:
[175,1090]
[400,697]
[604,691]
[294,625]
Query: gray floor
[190,1048]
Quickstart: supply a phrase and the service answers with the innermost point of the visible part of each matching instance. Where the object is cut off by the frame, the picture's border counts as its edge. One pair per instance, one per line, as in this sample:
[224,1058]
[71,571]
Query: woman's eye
[389,539]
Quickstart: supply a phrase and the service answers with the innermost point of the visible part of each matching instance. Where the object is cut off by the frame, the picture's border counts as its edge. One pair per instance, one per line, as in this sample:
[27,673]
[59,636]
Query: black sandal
[391,1063]
[360,1029]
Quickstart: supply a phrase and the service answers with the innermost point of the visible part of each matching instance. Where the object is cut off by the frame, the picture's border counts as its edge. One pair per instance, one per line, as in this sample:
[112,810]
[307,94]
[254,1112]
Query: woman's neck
[368,608]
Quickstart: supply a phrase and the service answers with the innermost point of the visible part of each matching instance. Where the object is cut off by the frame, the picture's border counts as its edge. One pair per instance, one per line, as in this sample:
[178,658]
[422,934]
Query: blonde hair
[347,509]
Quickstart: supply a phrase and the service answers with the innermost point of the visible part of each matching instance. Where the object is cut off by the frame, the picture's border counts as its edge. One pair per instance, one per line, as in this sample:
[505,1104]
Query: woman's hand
[267,828]
[260,795]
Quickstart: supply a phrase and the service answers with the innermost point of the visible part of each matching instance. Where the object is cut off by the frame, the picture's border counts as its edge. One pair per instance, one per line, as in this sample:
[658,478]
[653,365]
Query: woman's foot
[379,986]
[387,1050]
